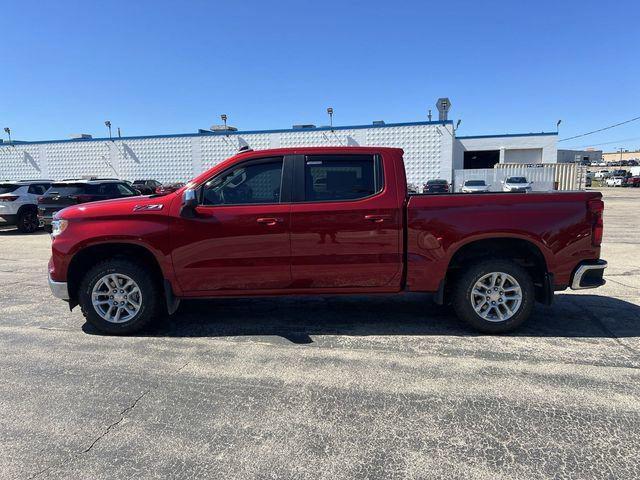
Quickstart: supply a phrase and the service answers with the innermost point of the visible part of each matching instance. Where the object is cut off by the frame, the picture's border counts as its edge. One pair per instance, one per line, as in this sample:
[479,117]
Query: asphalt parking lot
[338,387]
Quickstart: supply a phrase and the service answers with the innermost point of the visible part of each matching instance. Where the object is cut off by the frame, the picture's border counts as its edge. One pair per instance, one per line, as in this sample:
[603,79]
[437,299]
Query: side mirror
[189,203]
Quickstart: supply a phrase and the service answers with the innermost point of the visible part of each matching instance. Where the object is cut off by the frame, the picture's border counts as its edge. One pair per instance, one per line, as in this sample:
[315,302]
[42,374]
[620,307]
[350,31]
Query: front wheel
[119,297]
[494,296]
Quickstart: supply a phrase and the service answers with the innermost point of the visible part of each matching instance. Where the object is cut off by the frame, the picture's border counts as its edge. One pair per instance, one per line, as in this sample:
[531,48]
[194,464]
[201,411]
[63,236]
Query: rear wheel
[27,220]
[120,297]
[494,296]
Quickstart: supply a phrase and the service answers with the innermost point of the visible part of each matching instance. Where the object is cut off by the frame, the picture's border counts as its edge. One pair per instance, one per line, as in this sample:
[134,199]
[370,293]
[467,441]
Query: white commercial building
[431,151]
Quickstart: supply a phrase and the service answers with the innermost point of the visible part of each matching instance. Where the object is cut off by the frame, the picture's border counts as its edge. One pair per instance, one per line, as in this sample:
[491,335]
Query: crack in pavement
[116,423]
[106,431]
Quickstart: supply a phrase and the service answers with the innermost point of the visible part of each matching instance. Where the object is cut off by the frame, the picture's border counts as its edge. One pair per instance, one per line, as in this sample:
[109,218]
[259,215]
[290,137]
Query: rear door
[345,223]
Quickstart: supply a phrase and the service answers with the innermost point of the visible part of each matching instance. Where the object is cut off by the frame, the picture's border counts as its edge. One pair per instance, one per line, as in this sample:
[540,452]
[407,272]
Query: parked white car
[616,181]
[474,186]
[516,184]
[19,203]
[603,174]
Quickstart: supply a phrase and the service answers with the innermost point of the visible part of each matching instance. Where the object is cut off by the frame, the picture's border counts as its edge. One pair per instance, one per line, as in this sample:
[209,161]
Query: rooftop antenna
[429,115]
[107,124]
[8,132]
[224,119]
[119,136]
[330,112]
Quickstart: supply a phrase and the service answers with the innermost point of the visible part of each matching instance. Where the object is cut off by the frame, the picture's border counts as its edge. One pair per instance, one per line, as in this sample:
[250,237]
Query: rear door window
[341,177]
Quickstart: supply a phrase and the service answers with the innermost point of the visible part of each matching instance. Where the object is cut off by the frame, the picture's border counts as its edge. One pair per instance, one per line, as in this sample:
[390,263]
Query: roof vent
[223,128]
[304,125]
[378,122]
[80,136]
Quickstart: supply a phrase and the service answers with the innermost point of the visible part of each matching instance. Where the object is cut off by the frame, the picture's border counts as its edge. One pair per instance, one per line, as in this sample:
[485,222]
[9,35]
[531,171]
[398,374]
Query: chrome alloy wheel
[496,297]
[116,298]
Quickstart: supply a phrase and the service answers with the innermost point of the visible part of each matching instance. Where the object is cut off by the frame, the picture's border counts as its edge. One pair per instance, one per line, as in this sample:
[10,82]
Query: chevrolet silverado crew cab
[324,220]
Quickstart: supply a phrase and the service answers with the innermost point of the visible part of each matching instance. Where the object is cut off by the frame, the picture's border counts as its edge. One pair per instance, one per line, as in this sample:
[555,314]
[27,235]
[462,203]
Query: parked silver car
[474,186]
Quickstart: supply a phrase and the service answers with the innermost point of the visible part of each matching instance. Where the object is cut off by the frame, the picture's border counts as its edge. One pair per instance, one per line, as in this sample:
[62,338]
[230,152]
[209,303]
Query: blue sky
[156,67]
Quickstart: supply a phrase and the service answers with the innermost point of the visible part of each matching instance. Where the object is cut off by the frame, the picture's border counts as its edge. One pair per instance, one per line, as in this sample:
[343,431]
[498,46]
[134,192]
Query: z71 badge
[153,206]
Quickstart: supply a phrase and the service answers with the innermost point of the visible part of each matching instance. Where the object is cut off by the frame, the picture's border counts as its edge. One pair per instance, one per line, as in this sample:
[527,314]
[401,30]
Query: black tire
[151,306]
[27,220]
[462,302]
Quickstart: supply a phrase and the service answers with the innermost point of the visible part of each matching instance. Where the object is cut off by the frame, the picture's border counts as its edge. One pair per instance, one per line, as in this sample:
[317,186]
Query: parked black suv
[146,187]
[71,192]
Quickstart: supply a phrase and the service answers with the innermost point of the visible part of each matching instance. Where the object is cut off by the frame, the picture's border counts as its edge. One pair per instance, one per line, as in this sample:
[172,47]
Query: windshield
[516,180]
[436,182]
[8,188]
[475,183]
[64,189]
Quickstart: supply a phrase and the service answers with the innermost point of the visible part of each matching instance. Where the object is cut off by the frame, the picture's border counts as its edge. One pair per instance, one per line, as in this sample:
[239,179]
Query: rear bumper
[589,275]
[59,289]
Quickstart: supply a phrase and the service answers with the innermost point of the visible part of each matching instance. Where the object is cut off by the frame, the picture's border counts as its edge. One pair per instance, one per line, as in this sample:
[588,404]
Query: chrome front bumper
[59,289]
[589,275]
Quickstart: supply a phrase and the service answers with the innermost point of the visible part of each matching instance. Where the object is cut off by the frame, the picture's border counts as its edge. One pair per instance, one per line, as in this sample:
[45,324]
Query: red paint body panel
[557,223]
[327,247]
[225,248]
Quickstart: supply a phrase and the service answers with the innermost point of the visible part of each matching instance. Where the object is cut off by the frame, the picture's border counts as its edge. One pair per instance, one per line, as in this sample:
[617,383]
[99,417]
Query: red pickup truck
[330,220]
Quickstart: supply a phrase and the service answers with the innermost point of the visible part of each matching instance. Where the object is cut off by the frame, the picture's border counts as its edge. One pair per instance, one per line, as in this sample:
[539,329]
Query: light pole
[330,112]
[108,125]
[8,132]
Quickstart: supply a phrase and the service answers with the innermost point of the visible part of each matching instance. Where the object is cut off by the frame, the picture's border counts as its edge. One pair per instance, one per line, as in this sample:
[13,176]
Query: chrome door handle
[377,218]
[269,220]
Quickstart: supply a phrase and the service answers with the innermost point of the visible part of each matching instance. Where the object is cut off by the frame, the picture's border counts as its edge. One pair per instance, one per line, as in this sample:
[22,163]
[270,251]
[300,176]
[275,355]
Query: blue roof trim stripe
[228,132]
[541,134]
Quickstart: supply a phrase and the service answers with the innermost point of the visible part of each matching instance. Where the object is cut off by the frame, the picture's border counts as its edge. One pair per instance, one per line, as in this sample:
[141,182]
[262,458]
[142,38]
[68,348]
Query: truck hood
[118,207]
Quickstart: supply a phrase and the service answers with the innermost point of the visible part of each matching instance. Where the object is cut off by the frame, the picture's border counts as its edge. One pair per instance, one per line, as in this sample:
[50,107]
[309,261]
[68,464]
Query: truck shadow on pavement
[297,319]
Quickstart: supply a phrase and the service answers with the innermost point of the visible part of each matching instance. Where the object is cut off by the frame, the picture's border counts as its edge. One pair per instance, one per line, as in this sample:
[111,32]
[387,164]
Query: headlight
[58,226]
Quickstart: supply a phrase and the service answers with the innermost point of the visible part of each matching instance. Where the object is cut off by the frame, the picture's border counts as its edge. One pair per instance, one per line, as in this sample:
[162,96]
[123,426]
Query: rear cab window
[330,178]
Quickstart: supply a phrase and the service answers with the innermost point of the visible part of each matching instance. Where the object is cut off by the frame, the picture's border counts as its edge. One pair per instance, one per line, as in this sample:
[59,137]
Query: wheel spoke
[478,308]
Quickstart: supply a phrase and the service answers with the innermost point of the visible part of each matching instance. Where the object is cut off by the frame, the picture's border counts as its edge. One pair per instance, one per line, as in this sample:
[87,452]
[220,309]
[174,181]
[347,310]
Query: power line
[600,129]
[610,143]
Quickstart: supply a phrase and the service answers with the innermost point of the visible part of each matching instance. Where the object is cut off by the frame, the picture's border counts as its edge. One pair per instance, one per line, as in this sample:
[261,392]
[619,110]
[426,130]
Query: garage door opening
[481,159]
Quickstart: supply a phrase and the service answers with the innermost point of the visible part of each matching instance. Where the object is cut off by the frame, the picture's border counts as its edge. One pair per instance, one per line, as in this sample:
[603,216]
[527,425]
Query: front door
[345,226]
[239,237]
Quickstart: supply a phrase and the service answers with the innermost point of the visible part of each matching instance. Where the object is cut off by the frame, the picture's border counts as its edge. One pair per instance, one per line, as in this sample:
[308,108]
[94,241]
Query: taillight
[8,198]
[596,209]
